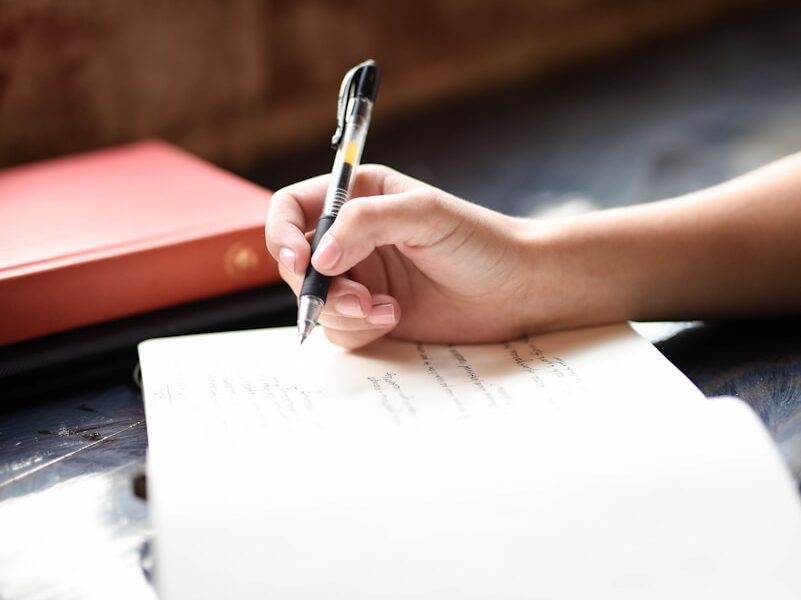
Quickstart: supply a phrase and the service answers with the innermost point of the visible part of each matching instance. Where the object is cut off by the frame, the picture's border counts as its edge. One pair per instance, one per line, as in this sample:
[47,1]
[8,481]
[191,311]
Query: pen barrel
[349,155]
[314,283]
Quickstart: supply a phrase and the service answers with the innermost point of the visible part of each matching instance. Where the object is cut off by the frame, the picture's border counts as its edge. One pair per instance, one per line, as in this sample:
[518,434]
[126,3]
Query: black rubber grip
[315,284]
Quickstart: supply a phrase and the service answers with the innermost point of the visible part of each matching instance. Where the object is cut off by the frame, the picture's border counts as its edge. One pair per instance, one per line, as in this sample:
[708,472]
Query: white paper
[572,465]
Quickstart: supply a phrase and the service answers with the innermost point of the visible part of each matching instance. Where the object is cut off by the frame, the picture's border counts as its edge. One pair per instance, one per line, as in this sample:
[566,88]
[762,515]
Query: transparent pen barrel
[349,155]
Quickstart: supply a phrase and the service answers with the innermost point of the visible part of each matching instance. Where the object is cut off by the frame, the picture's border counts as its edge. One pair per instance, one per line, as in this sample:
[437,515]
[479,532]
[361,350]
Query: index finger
[294,208]
[288,216]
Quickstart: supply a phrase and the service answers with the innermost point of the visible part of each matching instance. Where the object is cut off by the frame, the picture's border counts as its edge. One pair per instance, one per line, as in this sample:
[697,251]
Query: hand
[417,263]
[409,260]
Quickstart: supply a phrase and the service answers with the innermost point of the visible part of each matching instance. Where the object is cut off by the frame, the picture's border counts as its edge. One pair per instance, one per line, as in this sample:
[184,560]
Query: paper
[571,465]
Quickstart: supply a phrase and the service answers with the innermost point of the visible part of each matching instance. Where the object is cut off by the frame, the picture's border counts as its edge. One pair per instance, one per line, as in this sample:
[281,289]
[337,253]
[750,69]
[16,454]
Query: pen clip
[345,94]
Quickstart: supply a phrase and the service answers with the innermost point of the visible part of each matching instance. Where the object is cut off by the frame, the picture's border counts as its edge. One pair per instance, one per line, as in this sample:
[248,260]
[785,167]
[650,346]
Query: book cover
[98,236]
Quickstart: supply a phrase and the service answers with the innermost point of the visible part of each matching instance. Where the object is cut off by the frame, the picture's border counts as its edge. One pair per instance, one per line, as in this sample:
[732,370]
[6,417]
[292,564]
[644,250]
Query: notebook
[579,464]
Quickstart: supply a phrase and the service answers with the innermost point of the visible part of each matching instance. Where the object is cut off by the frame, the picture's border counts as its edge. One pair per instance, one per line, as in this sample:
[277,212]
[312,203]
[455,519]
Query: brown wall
[239,80]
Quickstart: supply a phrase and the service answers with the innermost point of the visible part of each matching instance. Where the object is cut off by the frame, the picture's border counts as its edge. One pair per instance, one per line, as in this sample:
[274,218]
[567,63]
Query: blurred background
[515,104]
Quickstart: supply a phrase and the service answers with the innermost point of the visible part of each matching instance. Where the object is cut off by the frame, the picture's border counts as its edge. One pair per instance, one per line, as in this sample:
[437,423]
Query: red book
[103,235]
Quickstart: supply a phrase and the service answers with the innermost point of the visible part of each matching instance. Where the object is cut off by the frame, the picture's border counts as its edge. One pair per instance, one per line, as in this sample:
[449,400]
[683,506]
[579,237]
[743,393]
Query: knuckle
[377,172]
[420,206]
[372,169]
[434,201]
[276,203]
[357,212]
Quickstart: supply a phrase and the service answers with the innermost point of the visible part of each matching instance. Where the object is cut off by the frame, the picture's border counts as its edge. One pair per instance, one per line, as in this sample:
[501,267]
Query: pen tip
[304,329]
[309,309]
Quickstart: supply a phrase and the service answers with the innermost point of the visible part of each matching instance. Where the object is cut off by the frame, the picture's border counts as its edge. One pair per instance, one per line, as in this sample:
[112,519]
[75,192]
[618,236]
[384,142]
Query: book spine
[109,288]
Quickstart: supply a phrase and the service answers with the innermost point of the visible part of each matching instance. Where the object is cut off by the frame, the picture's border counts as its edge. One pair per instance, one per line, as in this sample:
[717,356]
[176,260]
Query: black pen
[354,108]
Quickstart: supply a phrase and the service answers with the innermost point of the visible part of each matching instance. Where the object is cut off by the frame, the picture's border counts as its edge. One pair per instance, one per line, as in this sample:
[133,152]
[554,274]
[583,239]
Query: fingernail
[327,253]
[349,306]
[287,258]
[382,314]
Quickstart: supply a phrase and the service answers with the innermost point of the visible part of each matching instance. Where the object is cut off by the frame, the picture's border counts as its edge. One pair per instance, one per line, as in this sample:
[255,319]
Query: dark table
[667,118]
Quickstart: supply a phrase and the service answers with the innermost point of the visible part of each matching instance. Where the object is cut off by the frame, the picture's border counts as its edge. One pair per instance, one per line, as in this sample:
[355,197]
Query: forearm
[732,250]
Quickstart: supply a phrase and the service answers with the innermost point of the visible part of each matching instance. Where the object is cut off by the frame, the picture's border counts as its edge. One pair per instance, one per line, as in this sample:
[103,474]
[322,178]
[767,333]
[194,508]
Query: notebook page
[277,385]
[556,466]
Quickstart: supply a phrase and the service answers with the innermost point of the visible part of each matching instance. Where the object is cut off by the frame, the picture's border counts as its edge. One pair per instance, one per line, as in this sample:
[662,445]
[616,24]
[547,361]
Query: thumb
[419,218]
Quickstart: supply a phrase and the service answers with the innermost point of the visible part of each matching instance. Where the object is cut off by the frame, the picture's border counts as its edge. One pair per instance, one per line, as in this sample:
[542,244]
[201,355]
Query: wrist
[580,273]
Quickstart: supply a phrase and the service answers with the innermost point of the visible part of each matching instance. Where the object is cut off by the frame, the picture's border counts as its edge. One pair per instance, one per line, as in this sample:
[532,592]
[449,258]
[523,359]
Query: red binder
[112,233]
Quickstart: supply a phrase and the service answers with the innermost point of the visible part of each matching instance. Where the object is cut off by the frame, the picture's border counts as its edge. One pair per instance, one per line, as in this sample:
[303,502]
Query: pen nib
[304,329]
[309,310]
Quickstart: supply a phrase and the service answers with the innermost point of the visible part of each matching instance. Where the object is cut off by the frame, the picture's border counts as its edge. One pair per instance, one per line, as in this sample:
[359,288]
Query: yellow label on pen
[350,152]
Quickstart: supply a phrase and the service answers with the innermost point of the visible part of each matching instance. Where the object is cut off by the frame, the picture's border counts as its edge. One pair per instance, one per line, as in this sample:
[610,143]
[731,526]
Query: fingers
[421,217]
[376,180]
[352,339]
[355,332]
[294,210]
[352,297]
[352,317]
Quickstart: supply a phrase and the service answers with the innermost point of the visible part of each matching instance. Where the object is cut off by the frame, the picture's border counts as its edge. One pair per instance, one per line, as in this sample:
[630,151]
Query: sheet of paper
[565,465]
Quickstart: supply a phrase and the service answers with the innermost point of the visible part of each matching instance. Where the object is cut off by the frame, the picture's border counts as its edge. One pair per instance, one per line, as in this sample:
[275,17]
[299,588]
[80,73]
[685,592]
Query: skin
[414,262]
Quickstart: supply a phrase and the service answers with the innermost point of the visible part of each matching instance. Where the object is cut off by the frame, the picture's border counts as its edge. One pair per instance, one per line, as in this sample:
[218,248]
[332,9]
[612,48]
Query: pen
[354,108]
